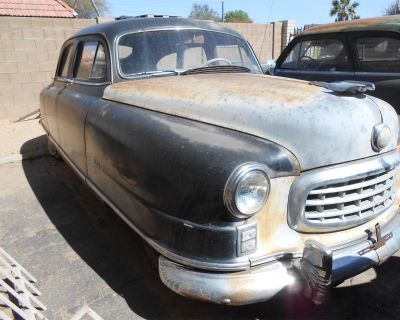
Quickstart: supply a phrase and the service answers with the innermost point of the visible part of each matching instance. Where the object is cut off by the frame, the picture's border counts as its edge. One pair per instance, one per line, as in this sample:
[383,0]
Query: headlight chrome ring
[247,190]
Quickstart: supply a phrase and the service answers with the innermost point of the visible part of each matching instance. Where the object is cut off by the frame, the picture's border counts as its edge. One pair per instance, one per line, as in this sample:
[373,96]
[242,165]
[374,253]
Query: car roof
[110,30]
[387,23]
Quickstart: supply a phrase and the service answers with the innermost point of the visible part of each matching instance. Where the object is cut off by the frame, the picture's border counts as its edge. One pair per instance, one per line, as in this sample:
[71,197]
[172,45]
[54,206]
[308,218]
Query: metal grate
[18,296]
[350,201]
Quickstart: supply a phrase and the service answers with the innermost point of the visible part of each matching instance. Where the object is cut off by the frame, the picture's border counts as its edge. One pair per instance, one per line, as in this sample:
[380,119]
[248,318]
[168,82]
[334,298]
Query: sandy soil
[14,134]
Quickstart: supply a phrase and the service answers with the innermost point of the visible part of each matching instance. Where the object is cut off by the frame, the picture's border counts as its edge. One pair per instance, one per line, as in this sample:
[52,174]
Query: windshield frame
[122,75]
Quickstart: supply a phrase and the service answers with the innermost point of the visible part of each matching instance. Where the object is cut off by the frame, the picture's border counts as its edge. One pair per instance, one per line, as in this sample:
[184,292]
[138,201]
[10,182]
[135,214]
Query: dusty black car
[244,184]
[361,50]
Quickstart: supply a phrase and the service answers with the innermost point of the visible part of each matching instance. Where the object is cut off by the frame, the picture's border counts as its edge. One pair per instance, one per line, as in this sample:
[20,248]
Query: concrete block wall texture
[29,50]
[287,32]
[265,39]
[30,47]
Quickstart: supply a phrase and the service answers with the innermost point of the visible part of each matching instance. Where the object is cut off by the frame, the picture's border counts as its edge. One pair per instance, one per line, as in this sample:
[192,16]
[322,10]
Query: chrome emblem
[380,136]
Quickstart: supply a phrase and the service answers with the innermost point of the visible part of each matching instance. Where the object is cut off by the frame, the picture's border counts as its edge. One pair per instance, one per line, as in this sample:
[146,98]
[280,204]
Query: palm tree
[344,10]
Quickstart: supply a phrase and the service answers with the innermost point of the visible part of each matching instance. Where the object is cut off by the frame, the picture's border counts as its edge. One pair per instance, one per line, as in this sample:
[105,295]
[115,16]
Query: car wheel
[152,256]
[53,150]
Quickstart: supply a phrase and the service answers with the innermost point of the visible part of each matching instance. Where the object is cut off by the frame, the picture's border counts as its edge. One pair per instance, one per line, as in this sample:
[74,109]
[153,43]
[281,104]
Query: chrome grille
[351,200]
[343,196]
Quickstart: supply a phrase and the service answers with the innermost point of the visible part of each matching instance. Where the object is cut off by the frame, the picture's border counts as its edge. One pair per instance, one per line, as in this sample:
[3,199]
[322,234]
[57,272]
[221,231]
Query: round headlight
[247,190]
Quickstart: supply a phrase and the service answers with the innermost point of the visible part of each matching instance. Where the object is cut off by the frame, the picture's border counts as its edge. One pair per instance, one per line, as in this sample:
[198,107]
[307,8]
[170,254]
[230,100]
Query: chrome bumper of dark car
[315,272]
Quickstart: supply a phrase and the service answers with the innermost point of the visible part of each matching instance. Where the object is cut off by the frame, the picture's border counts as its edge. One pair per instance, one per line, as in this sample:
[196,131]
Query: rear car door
[317,58]
[89,77]
[378,61]
[50,94]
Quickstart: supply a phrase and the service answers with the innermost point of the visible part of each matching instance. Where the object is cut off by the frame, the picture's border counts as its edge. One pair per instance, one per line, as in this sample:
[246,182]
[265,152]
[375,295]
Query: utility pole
[223,13]
[95,8]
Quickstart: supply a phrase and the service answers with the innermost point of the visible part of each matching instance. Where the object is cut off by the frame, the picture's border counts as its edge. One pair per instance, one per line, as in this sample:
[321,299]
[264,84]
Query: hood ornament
[380,136]
[346,87]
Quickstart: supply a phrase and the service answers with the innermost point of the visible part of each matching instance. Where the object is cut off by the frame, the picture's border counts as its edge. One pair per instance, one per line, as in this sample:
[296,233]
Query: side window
[318,55]
[292,58]
[90,62]
[65,62]
[99,69]
[378,54]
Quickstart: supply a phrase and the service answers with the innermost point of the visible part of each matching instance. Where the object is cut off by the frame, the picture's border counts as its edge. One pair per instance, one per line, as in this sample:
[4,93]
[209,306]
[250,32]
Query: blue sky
[261,11]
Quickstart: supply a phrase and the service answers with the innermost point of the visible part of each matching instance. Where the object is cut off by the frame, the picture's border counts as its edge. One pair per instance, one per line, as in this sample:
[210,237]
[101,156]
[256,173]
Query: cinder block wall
[265,39]
[287,32]
[29,50]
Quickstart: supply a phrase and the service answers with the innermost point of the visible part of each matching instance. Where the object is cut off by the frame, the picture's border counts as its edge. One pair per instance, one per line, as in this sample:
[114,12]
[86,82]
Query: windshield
[169,50]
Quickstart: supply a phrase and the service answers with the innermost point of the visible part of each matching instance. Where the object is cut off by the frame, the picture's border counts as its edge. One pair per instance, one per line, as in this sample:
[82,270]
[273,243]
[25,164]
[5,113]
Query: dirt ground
[82,253]
[14,134]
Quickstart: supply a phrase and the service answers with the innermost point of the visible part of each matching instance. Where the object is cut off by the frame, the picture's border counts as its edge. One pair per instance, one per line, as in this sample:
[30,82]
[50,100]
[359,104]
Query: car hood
[318,126]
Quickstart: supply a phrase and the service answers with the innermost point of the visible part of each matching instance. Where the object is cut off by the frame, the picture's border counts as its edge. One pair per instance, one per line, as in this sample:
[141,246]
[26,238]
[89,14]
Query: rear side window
[65,62]
[378,54]
[318,55]
[91,61]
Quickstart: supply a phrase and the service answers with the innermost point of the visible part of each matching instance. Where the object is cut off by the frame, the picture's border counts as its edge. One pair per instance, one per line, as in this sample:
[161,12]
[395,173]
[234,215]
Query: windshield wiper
[215,69]
[156,73]
[182,72]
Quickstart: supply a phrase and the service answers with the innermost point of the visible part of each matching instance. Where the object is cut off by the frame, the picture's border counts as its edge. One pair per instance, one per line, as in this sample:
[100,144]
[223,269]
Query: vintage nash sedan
[244,184]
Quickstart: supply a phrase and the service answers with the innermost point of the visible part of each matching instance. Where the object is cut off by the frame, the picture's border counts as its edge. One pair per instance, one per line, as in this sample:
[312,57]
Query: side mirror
[269,67]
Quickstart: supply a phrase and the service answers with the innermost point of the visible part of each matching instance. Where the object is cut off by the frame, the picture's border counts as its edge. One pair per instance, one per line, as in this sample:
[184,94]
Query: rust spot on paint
[213,89]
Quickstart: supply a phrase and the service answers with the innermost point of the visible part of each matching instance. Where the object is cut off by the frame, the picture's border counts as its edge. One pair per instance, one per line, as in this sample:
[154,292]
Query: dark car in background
[361,50]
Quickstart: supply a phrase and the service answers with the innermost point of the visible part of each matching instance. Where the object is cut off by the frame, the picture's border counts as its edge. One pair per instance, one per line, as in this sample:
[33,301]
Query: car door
[317,58]
[89,77]
[378,61]
[50,94]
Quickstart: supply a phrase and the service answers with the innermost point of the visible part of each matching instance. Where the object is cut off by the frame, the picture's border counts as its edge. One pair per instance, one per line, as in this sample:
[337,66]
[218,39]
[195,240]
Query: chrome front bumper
[315,272]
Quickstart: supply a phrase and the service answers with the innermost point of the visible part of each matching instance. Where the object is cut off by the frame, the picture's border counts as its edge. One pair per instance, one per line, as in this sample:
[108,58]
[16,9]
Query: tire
[152,256]
[53,150]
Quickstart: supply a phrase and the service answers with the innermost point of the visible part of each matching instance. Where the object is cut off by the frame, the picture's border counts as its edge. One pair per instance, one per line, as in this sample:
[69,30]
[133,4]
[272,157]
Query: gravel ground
[82,253]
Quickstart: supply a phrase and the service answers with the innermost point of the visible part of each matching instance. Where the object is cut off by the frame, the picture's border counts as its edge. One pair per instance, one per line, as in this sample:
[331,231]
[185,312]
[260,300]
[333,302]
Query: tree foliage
[393,8]
[204,12]
[344,10]
[237,16]
[85,9]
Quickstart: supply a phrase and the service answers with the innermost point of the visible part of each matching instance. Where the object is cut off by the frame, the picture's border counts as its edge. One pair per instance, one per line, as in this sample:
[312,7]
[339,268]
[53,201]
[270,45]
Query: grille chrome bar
[343,196]
[354,186]
[353,197]
[352,210]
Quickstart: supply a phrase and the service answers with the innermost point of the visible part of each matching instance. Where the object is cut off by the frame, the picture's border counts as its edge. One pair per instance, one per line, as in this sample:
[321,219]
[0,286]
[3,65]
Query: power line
[266,27]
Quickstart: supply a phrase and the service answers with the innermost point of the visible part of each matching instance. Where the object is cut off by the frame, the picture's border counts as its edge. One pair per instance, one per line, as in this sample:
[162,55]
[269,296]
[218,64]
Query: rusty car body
[244,184]
[361,50]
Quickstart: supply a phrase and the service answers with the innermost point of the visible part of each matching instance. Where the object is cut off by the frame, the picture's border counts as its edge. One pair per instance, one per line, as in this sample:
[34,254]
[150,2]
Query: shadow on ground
[117,255]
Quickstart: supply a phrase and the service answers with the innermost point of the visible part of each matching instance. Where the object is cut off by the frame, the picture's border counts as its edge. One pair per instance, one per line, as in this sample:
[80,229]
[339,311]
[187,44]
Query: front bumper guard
[315,272]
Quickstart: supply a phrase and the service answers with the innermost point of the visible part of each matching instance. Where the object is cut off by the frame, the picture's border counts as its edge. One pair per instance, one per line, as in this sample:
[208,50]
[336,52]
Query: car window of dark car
[91,61]
[378,54]
[318,55]
[65,62]
[292,58]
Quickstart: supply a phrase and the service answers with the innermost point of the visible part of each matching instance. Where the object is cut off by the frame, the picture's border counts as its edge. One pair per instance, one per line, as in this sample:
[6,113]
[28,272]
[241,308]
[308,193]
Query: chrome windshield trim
[174,28]
[89,83]
[86,83]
